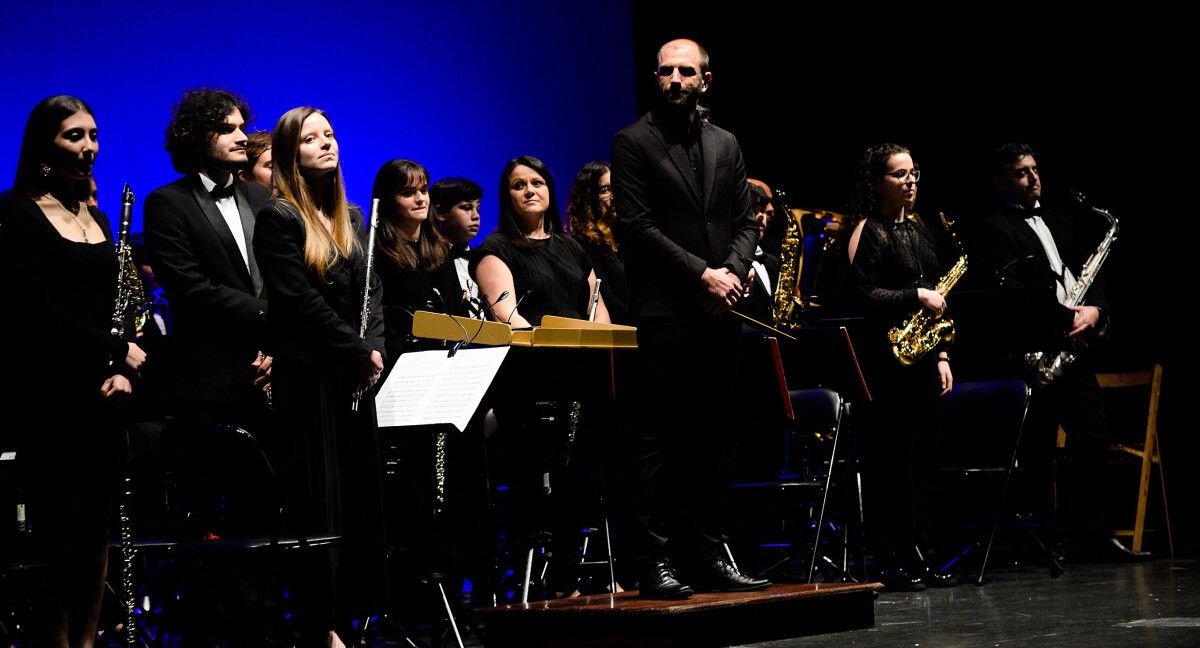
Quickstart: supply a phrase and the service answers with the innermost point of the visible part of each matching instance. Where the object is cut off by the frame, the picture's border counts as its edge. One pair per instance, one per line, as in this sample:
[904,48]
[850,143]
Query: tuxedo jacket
[669,229]
[761,303]
[1006,252]
[217,303]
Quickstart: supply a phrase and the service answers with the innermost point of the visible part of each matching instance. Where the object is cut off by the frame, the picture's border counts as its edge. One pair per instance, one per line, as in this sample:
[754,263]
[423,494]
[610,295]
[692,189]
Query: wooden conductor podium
[565,358]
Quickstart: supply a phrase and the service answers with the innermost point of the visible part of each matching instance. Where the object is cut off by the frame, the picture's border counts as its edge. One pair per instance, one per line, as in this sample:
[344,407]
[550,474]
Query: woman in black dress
[590,215]
[896,265]
[308,242]
[60,270]
[529,259]
[413,260]
[533,264]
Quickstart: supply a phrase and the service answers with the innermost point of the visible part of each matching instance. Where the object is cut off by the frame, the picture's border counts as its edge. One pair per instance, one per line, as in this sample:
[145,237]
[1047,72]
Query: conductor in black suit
[1021,244]
[199,235]
[687,230]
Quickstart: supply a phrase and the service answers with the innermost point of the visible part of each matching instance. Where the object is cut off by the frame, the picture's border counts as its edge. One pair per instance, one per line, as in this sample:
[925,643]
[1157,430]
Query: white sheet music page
[427,388]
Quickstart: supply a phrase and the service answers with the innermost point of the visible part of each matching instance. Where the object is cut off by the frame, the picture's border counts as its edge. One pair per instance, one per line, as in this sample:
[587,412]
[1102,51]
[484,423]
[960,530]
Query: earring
[46,169]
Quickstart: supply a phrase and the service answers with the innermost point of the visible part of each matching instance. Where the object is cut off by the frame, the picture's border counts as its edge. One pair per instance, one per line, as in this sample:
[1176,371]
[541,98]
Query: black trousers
[1074,402]
[903,452]
[687,369]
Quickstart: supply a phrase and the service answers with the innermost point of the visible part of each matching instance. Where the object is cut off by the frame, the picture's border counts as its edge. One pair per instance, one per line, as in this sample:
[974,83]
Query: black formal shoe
[935,578]
[899,579]
[1110,550]
[659,581]
[720,576]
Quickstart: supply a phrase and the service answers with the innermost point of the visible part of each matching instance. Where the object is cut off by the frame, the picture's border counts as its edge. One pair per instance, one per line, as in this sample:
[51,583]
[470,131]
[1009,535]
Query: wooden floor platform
[717,619]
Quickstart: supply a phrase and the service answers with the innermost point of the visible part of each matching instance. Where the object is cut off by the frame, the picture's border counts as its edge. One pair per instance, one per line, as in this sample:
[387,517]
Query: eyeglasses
[684,70]
[902,175]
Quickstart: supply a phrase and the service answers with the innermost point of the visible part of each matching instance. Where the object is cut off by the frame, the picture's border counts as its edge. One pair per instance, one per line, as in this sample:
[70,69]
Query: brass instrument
[1047,367]
[924,330]
[131,303]
[790,305]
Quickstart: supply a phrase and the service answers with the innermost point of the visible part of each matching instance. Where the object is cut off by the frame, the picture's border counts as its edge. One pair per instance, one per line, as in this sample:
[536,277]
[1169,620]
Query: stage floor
[1154,604]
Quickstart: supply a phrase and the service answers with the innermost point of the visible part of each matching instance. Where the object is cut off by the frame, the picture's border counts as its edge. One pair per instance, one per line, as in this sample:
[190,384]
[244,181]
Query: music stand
[564,360]
[820,358]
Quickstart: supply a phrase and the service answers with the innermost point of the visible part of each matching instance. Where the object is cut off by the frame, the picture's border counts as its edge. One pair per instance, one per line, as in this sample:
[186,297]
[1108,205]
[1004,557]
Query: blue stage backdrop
[461,87]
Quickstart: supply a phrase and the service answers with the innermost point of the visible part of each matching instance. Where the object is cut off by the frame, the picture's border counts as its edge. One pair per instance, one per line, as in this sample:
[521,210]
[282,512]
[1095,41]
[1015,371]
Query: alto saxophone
[1047,367]
[924,331]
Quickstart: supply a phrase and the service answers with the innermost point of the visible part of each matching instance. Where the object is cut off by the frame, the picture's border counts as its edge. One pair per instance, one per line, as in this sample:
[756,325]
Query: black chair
[982,427]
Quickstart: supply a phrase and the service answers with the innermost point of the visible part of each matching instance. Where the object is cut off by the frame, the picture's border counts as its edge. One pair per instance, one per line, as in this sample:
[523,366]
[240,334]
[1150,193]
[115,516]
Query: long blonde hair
[322,248]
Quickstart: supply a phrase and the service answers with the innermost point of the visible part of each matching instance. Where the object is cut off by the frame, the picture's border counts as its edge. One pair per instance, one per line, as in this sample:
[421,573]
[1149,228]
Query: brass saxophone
[1047,367]
[131,303]
[789,306]
[924,331]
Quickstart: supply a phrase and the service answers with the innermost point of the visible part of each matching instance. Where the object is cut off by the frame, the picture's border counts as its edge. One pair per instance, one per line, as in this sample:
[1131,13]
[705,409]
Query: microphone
[446,311]
[516,305]
[487,306]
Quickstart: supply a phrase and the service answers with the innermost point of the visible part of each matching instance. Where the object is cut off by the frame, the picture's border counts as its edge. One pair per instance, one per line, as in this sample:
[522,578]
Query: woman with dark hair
[590,216]
[528,259]
[895,265]
[326,452]
[411,256]
[60,268]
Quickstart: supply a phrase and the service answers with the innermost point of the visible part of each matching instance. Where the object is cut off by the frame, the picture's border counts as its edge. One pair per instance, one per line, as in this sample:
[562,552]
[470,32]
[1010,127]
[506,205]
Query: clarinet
[125,283]
[127,293]
[365,313]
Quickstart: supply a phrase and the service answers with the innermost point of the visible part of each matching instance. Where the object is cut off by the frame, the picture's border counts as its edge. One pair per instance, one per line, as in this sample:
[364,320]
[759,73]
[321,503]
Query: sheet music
[427,387]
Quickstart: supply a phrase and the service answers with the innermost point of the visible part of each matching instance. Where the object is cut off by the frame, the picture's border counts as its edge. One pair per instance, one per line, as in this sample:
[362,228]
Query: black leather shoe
[1110,550]
[720,576]
[935,578]
[899,579]
[659,581]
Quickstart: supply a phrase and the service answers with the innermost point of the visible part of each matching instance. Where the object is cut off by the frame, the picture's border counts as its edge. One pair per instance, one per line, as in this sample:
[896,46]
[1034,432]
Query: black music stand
[819,371]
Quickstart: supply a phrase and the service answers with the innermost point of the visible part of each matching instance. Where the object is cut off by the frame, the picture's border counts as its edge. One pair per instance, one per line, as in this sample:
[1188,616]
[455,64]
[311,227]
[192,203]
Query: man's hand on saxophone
[1086,319]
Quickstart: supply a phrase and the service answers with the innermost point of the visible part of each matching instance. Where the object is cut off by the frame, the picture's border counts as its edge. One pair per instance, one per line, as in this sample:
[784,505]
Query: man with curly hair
[199,235]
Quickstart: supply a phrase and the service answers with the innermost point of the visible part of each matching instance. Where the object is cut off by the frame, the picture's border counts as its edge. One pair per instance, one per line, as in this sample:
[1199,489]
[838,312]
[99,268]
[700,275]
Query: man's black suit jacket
[1006,252]
[216,303]
[669,229]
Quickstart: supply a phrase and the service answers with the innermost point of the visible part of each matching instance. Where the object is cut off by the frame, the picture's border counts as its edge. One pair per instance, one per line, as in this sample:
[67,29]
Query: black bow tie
[460,252]
[218,193]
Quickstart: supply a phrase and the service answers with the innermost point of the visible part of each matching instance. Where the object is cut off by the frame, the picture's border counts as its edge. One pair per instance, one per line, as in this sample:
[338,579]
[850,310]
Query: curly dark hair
[588,218]
[871,167]
[197,114]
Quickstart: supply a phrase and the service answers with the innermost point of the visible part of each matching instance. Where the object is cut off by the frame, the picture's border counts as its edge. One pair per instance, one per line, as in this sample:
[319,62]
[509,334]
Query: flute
[365,313]
[595,301]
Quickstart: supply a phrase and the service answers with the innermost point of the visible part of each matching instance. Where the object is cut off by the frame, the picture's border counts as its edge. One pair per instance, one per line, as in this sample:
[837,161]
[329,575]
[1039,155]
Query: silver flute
[365,313]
